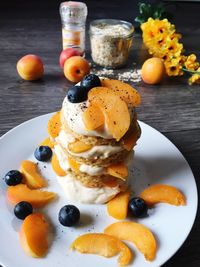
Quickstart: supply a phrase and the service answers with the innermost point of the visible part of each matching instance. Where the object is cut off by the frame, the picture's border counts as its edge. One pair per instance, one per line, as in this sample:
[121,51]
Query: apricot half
[118,170]
[163,193]
[136,233]
[115,110]
[54,125]
[126,92]
[56,166]
[21,192]
[78,147]
[103,245]
[118,206]
[34,235]
[31,175]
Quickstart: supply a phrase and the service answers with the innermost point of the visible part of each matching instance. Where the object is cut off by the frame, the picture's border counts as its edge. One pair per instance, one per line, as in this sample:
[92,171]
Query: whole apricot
[30,68]
[153,70]
[75,68]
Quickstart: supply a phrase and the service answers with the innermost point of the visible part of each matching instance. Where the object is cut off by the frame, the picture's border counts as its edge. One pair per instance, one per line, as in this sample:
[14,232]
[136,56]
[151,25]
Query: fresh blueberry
[23,209]
[77,94]
[137,207]
[69,215]
[13,177]
[90,81]
[43,153]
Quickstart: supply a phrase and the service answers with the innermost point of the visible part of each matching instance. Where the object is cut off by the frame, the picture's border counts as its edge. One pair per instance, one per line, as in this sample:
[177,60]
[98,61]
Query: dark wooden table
[172,107]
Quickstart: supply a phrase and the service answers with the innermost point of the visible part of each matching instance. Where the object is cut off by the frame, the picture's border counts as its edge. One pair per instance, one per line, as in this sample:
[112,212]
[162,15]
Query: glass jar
[110,41]
[73,18]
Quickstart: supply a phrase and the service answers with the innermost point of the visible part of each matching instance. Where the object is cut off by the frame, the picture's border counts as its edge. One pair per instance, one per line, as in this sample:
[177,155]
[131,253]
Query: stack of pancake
[95,160]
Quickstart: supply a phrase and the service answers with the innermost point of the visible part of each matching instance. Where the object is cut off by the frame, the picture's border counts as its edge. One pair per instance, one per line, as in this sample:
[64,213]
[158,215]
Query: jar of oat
[110,41]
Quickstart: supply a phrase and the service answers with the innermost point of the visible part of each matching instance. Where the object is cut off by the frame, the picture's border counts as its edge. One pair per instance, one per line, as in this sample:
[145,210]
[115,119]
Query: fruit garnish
[136,233]
[47,142]
[67,53]
[22,210]
[118,206]
[13,177]
[118,170]
[34,235]
[54,125]
[93,117]
[31,175]
[125,91]
[75,166]
[90,81]
[30,67]
[153,70]
[137,207]
[43,153]
[56,166]
[75,68]
[78,147]
[103,245]
[159,193]
[115,110]
[77,94]
[69,215]
[36,198]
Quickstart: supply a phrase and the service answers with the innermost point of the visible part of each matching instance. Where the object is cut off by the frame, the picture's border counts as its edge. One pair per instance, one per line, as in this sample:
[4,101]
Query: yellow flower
[161,40]
[195,78]
[191,63]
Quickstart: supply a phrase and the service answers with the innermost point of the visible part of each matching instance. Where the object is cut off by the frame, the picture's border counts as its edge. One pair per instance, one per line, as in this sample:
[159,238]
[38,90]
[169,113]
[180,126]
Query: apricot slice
[118,170]
[31,175]
[93,117]
[118,206]
[34,234]
[78,147]
[136,233]
[103,245]
[75,166]
[47,142]
[163,193]
[127,93]
[21,192]
[115,110]
[54,125]
[56,166]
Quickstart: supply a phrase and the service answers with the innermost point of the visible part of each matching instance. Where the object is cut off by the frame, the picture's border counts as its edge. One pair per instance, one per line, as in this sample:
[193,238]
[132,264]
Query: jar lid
[71,11]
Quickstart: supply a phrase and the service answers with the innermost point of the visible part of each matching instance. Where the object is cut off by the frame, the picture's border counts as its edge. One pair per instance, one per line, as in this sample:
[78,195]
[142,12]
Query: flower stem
[190,71]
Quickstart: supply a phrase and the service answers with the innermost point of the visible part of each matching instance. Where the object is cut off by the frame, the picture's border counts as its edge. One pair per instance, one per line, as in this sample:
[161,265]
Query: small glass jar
[73,17]
[110,41]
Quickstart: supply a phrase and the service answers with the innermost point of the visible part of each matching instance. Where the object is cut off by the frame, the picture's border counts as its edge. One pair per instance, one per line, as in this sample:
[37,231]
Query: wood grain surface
[172,107]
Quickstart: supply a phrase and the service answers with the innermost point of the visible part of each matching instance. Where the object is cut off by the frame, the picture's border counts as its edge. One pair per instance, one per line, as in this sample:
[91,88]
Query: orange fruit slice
[136,233]
[103,245]
[163,193]
[126,92]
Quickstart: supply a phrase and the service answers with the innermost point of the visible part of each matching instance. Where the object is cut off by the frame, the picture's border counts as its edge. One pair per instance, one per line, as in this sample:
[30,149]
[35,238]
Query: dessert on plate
[94,135]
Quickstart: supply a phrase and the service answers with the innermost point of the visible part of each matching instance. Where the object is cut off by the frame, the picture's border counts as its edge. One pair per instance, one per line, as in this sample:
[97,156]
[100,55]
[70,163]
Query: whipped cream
[88,169]
[92,170]
[62,158]
[73,113]
[103,151]
[76,192]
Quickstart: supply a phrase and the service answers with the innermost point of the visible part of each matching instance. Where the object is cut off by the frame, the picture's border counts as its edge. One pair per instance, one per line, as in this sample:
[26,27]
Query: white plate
[157,160]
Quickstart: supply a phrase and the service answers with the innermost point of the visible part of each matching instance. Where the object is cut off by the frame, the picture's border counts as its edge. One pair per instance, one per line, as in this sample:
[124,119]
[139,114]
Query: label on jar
[73,38]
